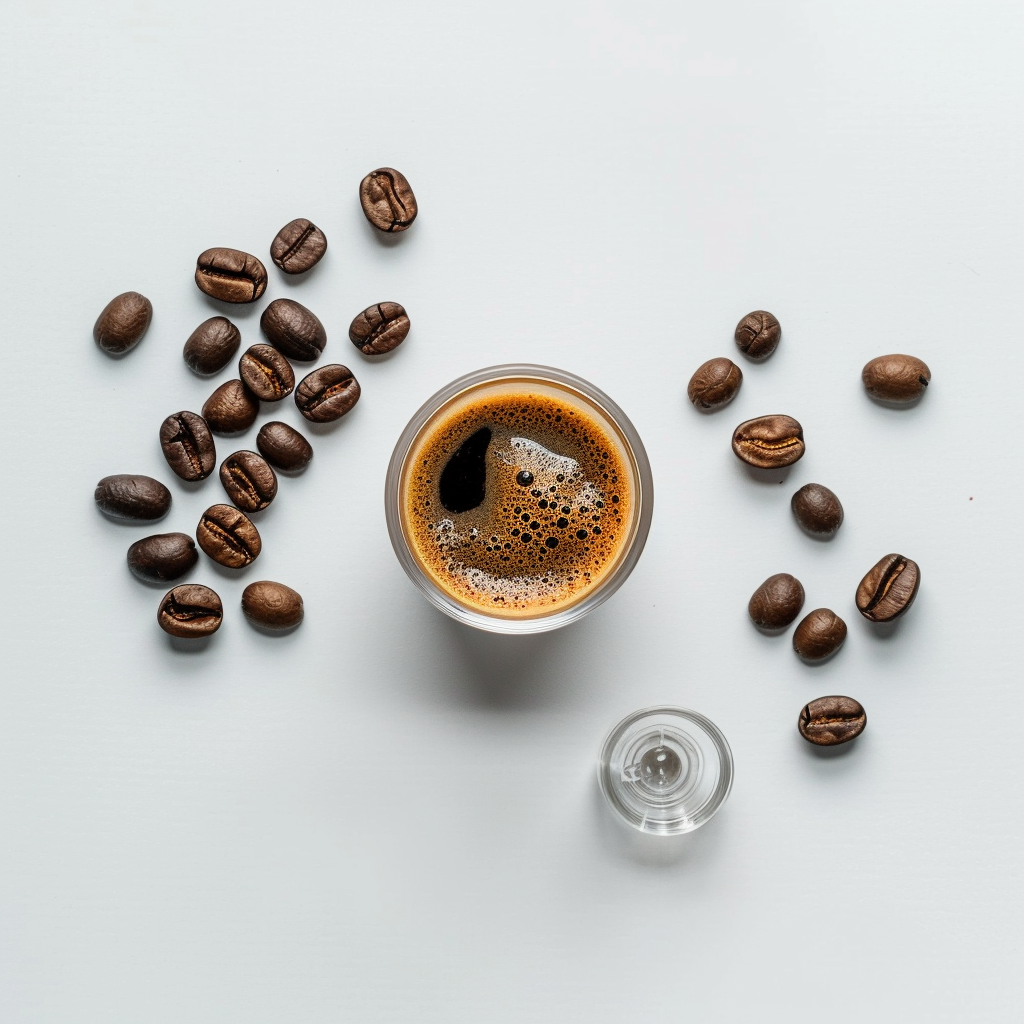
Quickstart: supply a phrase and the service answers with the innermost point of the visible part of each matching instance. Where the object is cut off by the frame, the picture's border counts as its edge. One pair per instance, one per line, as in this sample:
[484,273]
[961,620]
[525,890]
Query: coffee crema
[518,497]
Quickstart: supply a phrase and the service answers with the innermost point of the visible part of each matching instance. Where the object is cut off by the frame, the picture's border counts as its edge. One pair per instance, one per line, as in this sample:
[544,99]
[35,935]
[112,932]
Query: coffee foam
[525,550]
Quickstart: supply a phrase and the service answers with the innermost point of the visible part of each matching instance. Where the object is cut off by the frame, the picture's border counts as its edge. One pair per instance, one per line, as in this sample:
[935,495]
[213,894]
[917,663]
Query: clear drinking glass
[665,770]
[493,382]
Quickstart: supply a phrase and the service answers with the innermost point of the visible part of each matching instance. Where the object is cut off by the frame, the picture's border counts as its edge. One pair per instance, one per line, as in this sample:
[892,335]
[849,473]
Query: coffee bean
[228,536]
[211,345]
[829,721]
[231,275]
[129,496]
[231,409]
[293,329]
[272,605]
[379,329]
[819,635]
[777,602]
[758,334]
[249,481]
[268,375]
[298,246]
[715,383]
[896,379]
[191,611]
[188,445]
[817,510]
[162,557]
[327,393]
[387,200]
[123,322]
[284,447]
[889,588]
[769,442]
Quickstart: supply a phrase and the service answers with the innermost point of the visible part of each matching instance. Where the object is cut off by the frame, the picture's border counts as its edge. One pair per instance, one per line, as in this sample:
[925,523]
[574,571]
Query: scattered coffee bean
[228,536]
[249,481]
[379,329]
[268,375]
[231,275]
[272,605]
[819,635]
[293,329]
[889,588]
[231,409]
[387,200]
[284,447]
[123,322]
[829,721]
[716,383]
[777,602]
[758,334]
[188,445]
[896,379]
[162,557]
[817,510]
[327,393]
[191,611]
[769,442]
[298,246]
[211,345]
[129,496]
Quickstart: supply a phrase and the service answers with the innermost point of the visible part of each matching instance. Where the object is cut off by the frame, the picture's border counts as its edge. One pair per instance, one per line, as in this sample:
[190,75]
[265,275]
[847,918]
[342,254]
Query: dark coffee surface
[519,501]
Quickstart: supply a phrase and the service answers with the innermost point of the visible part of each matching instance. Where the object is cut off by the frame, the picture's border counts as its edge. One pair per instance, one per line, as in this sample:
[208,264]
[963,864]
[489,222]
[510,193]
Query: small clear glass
[597,405]
[665,770]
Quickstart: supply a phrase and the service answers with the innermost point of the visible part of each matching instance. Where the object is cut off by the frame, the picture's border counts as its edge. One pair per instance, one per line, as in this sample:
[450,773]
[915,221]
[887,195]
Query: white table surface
[385,816]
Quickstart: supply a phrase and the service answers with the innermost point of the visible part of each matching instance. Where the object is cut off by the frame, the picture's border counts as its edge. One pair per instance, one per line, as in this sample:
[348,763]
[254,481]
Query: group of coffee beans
[293,334]
[776,441]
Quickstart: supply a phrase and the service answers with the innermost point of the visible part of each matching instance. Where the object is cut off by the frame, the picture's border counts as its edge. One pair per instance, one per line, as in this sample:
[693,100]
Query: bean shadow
[385,239]
[764,476]
[183,645]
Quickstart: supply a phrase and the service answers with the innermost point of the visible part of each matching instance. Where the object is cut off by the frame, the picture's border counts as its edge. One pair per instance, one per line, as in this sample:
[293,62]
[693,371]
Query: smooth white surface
[385,817]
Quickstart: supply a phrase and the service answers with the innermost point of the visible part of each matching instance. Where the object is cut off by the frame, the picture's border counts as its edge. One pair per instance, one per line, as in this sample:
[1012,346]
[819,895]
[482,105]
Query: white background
[385,816]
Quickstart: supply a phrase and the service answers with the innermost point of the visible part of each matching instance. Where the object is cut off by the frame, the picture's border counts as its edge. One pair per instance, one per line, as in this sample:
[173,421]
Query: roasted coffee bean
[777,602]
[298,246]
[889,588]
[231,275]
[829,721]
[129,496]
[716,383]
[327,393]
[188,445]
[387,199]
[162,557]
[123,322]
[769,442]
[379,329]
[211,345]
[249,481]
[228,536]
[268,375]
[819,635]
[231,409]
[272,605]
[284,447]
[293,329]
[817,510]
[896,379]
[191,611]
[758,334]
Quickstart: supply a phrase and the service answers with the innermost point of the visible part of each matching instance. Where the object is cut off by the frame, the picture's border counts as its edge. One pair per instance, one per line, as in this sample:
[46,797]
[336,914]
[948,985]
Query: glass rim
[628,558]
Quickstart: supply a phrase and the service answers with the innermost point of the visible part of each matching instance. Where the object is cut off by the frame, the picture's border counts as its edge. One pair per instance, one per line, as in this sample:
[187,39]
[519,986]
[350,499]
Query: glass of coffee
[518,498]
